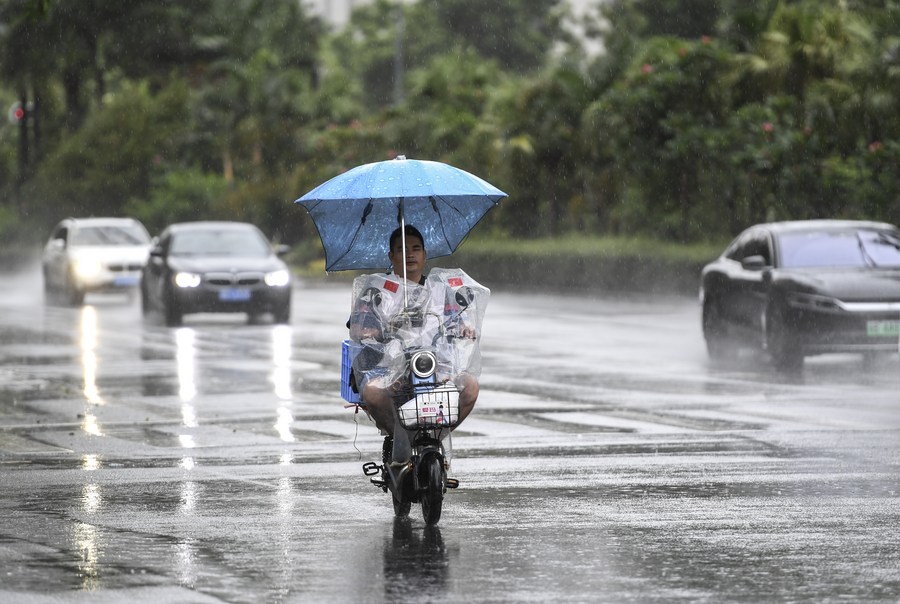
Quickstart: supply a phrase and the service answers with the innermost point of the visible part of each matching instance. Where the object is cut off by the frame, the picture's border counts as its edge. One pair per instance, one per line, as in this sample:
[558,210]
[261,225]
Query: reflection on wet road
[607,460]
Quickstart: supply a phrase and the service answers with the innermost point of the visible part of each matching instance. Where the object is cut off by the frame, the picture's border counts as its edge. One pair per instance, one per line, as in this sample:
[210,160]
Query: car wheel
[145,301]
[74,295]
[718,346]
[51,296]
[282,315]
[171,311]
[781,341]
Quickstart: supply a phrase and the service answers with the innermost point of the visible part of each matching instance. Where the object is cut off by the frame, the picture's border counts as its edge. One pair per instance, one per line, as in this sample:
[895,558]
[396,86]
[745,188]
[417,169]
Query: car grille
[230,280]
[125,268]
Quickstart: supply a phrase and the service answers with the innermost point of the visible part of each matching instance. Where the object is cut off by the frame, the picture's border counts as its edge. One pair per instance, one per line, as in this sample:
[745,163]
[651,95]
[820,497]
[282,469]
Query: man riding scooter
[415,366]
[368,323]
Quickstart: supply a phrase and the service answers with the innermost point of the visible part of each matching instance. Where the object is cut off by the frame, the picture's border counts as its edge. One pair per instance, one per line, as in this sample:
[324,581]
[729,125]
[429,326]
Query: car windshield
[110,235]
[882,248]
[853,248]
[228,242]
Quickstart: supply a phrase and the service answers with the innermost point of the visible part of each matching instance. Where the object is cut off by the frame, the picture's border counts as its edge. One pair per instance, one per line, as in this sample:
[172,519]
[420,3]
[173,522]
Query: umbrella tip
[400,157]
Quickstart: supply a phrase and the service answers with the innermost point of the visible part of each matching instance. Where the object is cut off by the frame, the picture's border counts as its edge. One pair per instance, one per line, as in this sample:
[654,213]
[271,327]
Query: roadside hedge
[610,265]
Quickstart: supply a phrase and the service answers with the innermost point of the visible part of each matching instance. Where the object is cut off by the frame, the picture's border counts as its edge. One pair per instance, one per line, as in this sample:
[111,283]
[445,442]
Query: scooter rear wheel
[433,494]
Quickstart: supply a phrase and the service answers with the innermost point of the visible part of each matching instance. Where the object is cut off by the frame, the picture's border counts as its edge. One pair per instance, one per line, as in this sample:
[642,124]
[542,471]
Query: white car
[94,254]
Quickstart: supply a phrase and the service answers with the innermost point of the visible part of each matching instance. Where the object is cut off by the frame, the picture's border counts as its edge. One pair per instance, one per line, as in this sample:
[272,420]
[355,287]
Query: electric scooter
[415,463]
[424,337]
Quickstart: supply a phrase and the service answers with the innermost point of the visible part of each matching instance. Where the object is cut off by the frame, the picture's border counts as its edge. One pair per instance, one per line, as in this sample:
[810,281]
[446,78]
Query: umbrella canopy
[355,212]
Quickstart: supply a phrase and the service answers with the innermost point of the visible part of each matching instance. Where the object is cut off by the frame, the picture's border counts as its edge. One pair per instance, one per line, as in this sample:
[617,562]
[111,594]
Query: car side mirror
[58,245]
[754,263]
[156,251]
[281,249]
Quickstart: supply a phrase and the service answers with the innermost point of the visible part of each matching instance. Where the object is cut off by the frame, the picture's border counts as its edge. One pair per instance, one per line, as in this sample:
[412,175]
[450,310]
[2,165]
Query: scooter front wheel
[433,489]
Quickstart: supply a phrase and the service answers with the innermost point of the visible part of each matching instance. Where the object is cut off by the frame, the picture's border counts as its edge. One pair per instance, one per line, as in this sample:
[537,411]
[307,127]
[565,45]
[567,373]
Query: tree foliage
[699,118]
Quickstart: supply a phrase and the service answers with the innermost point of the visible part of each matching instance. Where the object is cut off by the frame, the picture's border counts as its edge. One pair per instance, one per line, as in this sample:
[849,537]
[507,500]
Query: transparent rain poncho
[443,315]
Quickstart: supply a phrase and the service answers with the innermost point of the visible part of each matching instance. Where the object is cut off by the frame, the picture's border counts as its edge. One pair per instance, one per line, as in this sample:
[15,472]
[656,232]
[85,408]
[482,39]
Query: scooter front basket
[431,408]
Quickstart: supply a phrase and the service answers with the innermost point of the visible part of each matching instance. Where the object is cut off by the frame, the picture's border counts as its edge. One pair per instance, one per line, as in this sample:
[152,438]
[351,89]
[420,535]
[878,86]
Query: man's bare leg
[468,394]
[380,405]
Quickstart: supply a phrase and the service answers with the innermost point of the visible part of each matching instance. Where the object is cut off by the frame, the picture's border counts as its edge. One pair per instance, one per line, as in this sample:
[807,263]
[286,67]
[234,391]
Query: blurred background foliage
[696,119]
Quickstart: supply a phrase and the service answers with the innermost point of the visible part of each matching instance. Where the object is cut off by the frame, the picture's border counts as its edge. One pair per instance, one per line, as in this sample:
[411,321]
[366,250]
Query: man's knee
[373,395]
[468,394]
[468,389]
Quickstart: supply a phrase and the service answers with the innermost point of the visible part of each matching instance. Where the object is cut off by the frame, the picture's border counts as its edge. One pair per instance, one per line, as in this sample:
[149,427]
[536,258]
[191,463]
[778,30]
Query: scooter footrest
[452,483]
[379,483]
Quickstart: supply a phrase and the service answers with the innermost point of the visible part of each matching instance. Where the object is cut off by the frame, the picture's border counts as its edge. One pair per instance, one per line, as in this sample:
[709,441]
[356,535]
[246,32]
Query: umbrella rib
[434,199]
[349,248]
[365,215]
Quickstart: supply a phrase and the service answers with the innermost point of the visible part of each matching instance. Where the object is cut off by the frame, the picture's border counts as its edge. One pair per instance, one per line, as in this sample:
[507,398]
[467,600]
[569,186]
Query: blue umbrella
[355,212]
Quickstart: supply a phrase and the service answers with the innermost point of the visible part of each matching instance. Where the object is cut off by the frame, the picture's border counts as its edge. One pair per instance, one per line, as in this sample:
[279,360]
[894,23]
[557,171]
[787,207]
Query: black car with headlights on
[215,267]
[805,287]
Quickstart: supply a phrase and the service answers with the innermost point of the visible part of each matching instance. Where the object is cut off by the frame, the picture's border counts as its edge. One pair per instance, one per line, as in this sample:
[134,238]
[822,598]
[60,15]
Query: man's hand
[369,332]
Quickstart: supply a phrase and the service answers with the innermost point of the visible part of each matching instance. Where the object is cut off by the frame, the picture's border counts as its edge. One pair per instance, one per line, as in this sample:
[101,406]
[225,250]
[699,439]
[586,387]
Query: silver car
[94,254]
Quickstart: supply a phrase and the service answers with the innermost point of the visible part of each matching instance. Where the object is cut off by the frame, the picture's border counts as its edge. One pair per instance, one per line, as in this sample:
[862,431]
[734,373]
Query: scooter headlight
[423,364]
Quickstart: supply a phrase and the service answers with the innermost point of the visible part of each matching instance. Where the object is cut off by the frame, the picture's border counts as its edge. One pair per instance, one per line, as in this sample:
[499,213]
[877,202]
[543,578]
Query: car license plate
[883,329]
[234,294]
[126,281]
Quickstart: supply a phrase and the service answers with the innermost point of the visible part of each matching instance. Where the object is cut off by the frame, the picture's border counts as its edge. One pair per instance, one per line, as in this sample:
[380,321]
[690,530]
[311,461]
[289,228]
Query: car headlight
[187,279]
[814,302]
[85,269]
[278,278]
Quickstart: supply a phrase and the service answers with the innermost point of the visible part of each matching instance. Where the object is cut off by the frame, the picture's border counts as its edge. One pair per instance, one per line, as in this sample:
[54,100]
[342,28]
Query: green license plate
[883,329]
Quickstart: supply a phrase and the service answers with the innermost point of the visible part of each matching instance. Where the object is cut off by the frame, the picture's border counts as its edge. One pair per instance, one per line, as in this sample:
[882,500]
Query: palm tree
[804,43]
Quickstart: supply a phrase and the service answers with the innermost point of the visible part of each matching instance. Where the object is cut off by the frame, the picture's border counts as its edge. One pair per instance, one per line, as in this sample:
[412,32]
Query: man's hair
[411,231]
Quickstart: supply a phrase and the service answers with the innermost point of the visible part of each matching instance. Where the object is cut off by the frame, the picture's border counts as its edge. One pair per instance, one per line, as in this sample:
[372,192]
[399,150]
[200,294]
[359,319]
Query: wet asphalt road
[607,461]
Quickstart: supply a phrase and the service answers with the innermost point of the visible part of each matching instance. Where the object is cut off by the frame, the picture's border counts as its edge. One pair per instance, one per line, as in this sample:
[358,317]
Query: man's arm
[364,322]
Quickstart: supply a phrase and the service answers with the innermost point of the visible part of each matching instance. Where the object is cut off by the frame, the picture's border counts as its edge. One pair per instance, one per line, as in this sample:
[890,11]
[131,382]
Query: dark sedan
[802,288]
[215,267]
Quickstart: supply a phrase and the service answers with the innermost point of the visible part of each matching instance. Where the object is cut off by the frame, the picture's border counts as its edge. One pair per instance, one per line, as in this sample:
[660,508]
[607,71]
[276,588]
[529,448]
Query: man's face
[414,258]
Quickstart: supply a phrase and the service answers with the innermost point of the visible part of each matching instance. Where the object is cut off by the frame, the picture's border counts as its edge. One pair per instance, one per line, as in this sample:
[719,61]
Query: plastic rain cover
[443,315]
